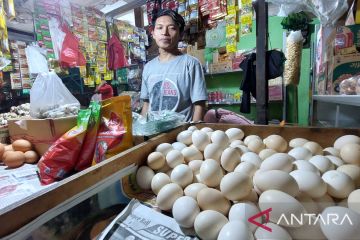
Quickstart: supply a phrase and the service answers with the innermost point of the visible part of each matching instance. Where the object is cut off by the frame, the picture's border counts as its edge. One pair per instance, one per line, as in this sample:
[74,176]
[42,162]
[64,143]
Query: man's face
[166,33]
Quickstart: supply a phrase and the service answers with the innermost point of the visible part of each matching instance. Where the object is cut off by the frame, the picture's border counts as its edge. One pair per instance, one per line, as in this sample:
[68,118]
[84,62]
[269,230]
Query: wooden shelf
[221,73]
[353,100]
[224,103]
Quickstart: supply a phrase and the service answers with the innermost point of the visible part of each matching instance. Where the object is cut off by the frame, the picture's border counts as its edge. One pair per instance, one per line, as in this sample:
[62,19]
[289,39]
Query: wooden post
[262,89]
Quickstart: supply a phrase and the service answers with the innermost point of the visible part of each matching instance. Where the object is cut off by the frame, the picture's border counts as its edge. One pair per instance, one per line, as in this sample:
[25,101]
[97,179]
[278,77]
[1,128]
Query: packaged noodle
[88,147]
[60,159]
[115,133]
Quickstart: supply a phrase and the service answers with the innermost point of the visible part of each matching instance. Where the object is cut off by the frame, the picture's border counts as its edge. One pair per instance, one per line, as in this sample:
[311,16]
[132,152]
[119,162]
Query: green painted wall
[231,82]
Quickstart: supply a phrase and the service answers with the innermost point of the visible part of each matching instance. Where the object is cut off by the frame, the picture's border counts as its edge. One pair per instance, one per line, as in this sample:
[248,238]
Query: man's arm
[199,111]
[145,108]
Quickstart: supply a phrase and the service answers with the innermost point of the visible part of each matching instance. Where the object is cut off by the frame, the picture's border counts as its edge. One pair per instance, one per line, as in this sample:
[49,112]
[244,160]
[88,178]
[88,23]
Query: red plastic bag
[60,159]
[70,55]
[116,54]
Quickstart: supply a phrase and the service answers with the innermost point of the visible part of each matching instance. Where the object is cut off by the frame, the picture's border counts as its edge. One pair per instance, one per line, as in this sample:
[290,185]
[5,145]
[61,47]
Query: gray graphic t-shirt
[174,85]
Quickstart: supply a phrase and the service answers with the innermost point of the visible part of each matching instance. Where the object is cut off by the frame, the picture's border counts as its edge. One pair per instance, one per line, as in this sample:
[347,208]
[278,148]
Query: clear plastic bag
[49,98]
[36,59]
[350,86]
[156,122]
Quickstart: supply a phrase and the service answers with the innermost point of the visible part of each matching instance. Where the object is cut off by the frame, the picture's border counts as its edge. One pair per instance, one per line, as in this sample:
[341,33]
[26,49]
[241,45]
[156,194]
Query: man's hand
[199,111]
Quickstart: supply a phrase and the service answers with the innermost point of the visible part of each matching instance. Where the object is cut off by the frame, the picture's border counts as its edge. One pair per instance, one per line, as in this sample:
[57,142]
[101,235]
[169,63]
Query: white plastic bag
[36,59]
[49,98]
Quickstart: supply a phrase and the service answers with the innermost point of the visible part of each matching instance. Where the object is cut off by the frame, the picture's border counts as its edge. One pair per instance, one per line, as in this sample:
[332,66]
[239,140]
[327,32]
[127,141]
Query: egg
[335,160]
[14,159]
[193,189]
[252,197]
[185,137]
[278,161]
[22,145]
[164,148]
[234,134]
[158,181]
[340,223]
[350,153]
[230,158]
[265,153]
[164,169]
[235,230]
[343,203]
[195,165]
[249,138]
[353,171]
[297,142]
[192,128]
[276,142]
[322,163]
[208,224]
[277,232]
[354,200]
[343,140]
[283,207]
[331,151]
[206,129]
[309,230]
[211,173]
[178,146]
[314,148]
[236,143]
[235,186]
[191,153]
[324,202]
[2,150]
[144,177]
[31,157]
[256,145]
[156,160]
[174,158]
[242,212]
[220,138]
[300,153]
[306,166]
[212,199]
[339,184]
[213,151]
[309,183]
[182,175]
[278,180]
[185,210]
[252,158]
[200,139]
[168,195]
[247,168]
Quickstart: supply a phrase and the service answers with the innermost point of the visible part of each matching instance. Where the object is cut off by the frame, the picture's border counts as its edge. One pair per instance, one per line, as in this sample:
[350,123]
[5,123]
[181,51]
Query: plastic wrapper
[294,43]
[327,11]
[49,98]
[60,159]
[156,122]
[350,86]
[115,132]
[36,59]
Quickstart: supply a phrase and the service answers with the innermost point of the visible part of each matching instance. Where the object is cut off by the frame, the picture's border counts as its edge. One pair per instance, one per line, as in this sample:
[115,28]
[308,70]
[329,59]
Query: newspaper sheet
[139,222]
[17,184]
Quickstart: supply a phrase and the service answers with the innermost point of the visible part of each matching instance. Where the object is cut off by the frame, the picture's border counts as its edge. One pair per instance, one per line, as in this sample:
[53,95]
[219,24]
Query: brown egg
[14,159]
[22,145]
[2,150]
[31,157]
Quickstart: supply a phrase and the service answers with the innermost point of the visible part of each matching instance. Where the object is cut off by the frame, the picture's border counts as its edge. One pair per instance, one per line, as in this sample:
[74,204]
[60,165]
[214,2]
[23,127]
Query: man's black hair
[177,18]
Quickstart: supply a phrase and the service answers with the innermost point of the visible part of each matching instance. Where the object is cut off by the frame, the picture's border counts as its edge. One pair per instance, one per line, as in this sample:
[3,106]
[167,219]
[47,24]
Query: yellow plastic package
[115,133]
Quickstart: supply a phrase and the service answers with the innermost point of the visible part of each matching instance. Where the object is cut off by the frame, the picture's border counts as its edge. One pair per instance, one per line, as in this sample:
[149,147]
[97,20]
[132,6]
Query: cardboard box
[4,135]
[40,132]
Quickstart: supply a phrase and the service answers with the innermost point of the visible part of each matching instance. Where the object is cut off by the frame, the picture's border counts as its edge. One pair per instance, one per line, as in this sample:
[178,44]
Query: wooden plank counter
[15,218]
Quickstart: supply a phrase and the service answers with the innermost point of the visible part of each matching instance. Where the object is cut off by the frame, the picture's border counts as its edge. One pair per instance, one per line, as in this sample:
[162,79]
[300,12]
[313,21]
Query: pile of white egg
[214,181]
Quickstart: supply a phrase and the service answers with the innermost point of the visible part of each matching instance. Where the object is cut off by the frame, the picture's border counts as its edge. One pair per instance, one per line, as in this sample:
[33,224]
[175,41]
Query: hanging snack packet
[60,159]
[115,133]
[88,147]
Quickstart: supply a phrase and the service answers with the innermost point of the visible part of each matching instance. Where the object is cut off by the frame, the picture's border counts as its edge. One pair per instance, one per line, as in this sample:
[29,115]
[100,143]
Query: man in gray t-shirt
[173,81]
